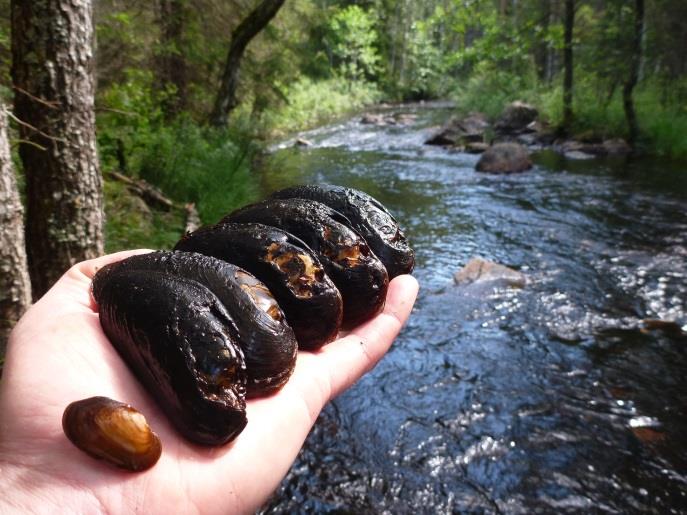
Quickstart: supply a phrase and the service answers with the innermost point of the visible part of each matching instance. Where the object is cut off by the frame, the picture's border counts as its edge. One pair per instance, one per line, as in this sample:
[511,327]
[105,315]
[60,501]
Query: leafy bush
[206,166]
[311,103]
[353,38]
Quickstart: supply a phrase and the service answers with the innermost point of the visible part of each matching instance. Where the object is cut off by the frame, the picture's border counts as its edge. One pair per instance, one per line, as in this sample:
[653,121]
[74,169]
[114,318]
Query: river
[550,398]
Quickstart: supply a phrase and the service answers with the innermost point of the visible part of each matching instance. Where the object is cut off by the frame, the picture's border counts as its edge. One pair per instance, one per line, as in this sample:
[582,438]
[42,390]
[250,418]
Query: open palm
[58,354]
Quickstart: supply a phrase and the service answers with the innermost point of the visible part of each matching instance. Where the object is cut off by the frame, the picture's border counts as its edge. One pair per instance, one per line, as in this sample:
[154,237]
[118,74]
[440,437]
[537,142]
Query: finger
[90,267]
[71,285]
[348,358]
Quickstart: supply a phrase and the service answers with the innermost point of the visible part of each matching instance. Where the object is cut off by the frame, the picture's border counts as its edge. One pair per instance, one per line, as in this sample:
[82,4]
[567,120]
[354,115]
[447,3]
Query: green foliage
[204,166]
[490,88]
[311,103]
[130,112]
[352,38]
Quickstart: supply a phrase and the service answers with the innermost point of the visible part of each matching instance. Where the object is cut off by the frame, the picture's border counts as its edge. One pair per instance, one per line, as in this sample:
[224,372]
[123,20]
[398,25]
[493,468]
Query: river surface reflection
[550,398]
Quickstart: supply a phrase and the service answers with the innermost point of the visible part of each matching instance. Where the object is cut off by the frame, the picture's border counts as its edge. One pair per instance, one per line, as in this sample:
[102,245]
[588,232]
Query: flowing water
[551,398]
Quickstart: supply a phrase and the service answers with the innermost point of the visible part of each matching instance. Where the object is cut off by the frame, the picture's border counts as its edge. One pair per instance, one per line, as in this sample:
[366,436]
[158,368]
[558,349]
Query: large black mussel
[356,271]
[268,343]
[367,216]
[292,272]
[178,339]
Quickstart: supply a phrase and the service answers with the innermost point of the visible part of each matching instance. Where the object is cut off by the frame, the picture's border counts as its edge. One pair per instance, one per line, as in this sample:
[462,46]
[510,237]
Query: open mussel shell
[112,431]
[367,216]
[292,272]
[254,318]
[179,341]
[355,270]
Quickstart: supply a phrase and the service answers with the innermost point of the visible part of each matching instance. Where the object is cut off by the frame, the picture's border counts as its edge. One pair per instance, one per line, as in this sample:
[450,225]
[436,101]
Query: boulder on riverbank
[460,131]
[516,118]
[504,158]
[482,270]
[581,149]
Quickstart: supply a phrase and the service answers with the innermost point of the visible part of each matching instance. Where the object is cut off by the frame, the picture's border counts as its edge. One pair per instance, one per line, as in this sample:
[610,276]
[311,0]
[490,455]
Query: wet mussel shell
[179,341]
[355,270]
[367,216]
[292,272]
[255,321]
[112,431]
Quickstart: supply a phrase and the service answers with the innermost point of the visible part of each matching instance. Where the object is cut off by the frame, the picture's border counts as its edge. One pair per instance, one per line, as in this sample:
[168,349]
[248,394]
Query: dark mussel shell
[367,216]
[292,272]
[179,341]
[356,271]
[268,343]
[112,431]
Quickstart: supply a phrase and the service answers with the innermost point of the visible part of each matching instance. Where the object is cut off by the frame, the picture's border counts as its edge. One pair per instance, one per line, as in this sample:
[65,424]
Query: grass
[208,167]
[313,103]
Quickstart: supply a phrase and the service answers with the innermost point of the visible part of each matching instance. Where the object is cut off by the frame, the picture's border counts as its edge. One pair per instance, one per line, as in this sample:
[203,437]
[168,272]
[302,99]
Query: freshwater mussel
[201,335]
[292,272]
[355,270]
[367,216]
[112,431]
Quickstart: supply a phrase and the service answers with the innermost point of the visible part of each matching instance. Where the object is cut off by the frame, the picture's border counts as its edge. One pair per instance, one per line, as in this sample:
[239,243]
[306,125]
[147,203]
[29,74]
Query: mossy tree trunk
[52,72]
[226,101]
[15,286]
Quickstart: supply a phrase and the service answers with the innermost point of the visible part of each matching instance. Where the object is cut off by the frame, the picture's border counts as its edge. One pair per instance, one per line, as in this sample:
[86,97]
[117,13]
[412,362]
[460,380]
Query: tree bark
[633,76]
[569,25]
[171,62]
[52,72]
[15,286]
[244,33]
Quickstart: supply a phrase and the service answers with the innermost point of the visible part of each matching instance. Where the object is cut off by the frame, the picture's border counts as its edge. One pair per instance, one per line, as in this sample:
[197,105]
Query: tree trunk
[540,48]
[171,62]
[52,71]
[635,60]
[15,286]
[244,33]
[569,24]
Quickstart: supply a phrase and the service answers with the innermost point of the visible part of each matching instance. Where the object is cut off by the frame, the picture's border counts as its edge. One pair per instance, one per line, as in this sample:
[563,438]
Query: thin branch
[117,111]
[29,142]
[51,104]
[35,129]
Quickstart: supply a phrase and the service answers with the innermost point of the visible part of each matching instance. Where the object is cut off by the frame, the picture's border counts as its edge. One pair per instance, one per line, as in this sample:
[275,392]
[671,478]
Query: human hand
[58,353]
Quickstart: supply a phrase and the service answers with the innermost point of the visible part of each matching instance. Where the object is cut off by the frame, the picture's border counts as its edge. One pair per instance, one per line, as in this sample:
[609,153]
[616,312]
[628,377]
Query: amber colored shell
[112,431]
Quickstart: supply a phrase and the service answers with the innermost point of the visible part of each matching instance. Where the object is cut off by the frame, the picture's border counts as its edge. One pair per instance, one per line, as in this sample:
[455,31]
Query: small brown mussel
[199,333]
[112,431]
[355,270]
[292,272]
[367,216]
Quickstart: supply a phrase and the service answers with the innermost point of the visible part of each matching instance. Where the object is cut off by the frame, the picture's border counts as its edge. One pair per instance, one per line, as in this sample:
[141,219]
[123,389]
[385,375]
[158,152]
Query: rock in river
[481,270]
[504,158]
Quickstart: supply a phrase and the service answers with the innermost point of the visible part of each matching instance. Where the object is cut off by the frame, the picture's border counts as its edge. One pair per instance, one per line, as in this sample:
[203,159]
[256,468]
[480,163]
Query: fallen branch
[146,191]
